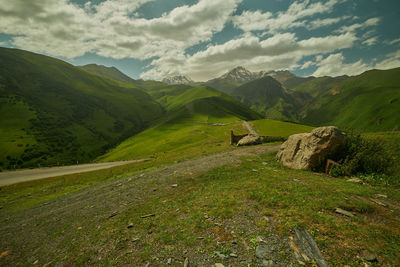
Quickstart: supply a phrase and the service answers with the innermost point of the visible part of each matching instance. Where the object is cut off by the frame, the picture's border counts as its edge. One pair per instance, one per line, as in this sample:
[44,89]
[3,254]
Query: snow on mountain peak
[178,79]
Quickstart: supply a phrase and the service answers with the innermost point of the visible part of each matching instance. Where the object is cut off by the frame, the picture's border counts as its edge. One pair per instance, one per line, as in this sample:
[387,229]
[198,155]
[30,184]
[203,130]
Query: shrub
[363,156]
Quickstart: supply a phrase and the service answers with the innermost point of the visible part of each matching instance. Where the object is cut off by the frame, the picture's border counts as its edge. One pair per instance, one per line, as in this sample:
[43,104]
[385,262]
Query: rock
[135,239]
[262,250]
[147,215]
[219,265]
[220,255]
[355,180]
[310,150]
[379,202]
[147,264]
[130,226]
[233,255]
[186,263]
[369,256]
[381,195]
[174,185]
[267,263]
[344,212]
[169,261]
[113,215]
[250,140]
[5,253]
[308,248]
[36,262]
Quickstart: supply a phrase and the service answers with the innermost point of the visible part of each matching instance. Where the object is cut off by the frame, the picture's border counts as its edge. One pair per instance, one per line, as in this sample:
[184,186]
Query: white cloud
[334,65]
[318,23]
[352,28]
[111,28]
[370,41]
[393,42]
[256,20]
[282,51]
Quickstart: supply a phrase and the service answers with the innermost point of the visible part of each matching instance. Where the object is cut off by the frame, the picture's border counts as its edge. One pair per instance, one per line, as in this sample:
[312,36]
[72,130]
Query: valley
[195,198]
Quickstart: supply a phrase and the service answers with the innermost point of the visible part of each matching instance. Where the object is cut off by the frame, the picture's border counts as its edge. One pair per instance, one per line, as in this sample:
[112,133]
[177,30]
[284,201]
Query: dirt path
[43,229]
[13,177]
[249,128]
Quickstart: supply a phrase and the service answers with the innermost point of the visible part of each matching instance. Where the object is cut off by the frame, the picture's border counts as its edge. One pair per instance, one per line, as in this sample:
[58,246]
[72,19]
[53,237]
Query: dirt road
[13,177]
[43,229]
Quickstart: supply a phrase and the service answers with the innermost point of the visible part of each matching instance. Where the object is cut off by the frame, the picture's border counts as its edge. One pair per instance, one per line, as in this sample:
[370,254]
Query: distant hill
[268,97]
[367,102]
[107,72]
[53,112]
[187,125]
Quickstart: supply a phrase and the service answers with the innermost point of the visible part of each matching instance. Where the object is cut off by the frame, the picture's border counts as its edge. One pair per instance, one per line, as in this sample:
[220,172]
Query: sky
[202,39]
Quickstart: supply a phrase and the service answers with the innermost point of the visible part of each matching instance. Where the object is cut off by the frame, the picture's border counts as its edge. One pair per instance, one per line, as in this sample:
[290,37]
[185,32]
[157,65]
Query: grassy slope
[184,130]
[59,113]
[368,102]
[279,128]
[241,201]
[107,72]
[268,97]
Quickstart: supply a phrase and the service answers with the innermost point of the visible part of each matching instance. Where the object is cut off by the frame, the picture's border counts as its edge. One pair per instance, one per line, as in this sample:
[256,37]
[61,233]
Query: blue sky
[202,39]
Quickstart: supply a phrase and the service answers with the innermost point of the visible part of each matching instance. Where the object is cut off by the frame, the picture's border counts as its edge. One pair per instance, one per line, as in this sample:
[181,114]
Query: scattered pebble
[379,202]
[147,215]
[186,263]
[220,255]
[169,261]
[381,195]
[113,215]
[369,256]
[5,253]
[265,163]
[135,239]
[130,226]
[219,265]
[254,170]
[355,180]
[344,212]
[233,255]
[36,262]
[267,263]
[80,228]
[147,264]
[174,185]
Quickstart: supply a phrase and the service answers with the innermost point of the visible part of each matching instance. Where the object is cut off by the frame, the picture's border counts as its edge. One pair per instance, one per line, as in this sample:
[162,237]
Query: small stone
[147,264]
[369,256]
[344,212]
[233,255]
[174,185]
[219,265]
[169,261]
[80,228]
[186,263]
[113,215]
[265,163]
[381,195]
[234,242]
[147,215]
[355,180]
[254,170]
[135,239]
[262,250]
[36,262]
[200,238]
[130,226]
[379,202]
[267,263]
[220,255]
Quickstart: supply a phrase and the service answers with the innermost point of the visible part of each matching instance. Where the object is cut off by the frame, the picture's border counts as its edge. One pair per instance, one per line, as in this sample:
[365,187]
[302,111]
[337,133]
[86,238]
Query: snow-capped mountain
[239,75]
[179,79]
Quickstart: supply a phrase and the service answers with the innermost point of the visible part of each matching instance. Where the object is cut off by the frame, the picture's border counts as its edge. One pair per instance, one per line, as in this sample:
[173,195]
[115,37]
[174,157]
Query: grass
[237,203]
[67,114]
[279,128]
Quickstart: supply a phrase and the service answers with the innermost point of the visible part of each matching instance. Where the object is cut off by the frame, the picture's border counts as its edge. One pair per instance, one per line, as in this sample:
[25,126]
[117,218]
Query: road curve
[13,177]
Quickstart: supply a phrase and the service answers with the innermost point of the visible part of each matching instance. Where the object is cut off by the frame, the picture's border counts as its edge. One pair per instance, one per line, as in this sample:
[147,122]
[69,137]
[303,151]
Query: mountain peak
[239,74]
[178,79]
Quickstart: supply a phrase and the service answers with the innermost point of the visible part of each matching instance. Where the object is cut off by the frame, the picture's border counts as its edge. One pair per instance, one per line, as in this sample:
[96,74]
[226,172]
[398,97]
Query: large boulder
[310,150]
[250,140]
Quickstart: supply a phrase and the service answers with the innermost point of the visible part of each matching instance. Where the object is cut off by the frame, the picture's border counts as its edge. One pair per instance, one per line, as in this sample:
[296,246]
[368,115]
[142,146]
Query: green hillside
[55,113]
[223,85]
[268,97]
[368,102]
[107,72]
[198,119]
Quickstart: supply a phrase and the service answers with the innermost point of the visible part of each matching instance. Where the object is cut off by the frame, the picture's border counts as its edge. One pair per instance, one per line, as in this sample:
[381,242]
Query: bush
[363,156]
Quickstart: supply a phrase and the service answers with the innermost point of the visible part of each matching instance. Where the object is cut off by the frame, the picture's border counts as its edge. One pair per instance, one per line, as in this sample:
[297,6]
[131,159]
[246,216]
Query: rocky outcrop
[249,140]
[310,150]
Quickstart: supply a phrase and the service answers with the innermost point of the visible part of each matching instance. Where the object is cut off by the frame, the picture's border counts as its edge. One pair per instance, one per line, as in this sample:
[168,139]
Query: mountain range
[57,113]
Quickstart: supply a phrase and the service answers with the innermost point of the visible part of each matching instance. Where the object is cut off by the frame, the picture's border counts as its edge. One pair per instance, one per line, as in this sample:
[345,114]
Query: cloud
[334,65]
[291,18]
[370,41]
[393,42]
[352,28]
[282,51]
[111,28]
